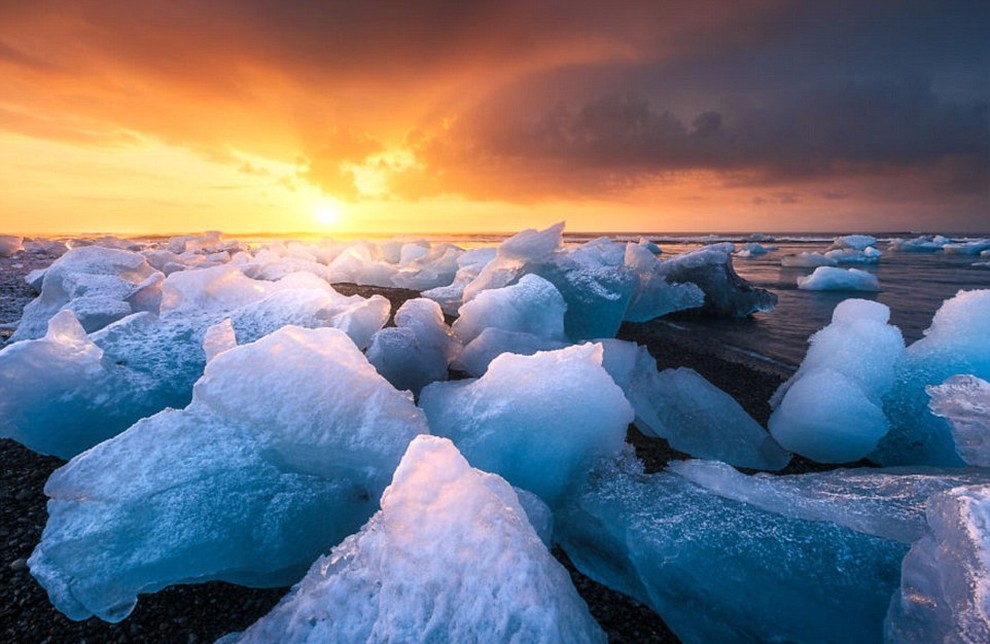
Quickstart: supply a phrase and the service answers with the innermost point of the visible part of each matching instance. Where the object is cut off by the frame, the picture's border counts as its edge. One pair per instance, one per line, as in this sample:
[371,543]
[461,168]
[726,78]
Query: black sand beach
[203,612]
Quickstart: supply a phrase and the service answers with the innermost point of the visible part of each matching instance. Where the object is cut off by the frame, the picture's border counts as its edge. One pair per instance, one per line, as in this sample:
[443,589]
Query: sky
[345,117]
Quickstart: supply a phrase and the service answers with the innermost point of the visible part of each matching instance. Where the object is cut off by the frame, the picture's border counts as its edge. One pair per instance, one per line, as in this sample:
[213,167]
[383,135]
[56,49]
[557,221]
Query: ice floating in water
[696,557]
[540,421]
[450,557]
[955,343]
[726,294]
[753,249]
[883,502]
[922,244]
[807,260]
[284,448]
[854,242]
[692,414]
[656,296]
[868,255]
[99,284]
[974,247]
[830,278]
[831,409]
[417,350]
[945,578]
[965,402]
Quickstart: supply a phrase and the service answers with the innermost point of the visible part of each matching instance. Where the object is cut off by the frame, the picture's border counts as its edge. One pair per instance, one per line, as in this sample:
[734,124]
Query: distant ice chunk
[726,294]
[965,402]
[655,296]
[450,557]
[10,245]
[650,246]
[831,409]
[955,343]
[854,242]
[807,260]
[883,502]
[830,278]
[417,350]
[698,559]
[540,421]
[692,414]
[945,578]
[110,278]
[868,255]
[753,249]
[922,244]
[284,448]
[971,247]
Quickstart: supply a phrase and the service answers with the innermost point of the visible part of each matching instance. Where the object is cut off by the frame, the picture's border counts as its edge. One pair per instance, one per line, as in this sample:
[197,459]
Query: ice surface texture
[692,414]
[99,284]
[417,350]
[450,557]
[831,409]
[718,570]
[283,451]
[539,421]
[945,578]
[965,402]
[726,294]
[830,278]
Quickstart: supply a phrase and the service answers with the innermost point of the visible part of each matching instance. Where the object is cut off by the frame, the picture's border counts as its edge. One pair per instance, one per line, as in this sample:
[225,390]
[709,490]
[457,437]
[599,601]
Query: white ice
[830,278]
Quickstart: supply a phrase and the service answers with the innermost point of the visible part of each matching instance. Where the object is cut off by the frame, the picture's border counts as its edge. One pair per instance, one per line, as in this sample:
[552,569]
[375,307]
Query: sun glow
[327,214]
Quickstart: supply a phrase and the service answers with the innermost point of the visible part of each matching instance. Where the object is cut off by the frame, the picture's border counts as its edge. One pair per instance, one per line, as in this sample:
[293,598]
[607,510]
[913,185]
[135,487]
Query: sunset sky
[400,117]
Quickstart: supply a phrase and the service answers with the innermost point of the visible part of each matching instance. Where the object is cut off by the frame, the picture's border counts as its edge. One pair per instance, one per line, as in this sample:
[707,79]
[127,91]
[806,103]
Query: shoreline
[203,612]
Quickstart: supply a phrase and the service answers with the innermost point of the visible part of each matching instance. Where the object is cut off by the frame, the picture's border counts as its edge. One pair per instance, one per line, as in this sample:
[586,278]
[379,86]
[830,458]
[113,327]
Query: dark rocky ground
[203,612]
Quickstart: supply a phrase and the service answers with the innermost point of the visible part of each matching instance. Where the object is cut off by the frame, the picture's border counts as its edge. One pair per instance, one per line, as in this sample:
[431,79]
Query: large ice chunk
[469,266]
[726,294]
[965,402]
[955,343]
[869,255]
[945,578]
[854,242]
[533,305]
[417,350]
[493,342]
[693,415]
[922,244]
[540,421]
[528,247]
[698,559]
[884,502]
[831,278]
[284,448]
[450,557]
[655,296]
[831,409]
[114,282]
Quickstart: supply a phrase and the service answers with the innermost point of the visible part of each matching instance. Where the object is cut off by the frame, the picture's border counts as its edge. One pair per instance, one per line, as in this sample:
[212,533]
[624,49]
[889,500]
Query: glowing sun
[327,214]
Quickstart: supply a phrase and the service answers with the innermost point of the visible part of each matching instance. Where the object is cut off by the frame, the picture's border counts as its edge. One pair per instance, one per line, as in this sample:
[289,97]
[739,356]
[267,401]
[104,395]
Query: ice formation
[656,296]
[10,245]
[726,294]
[970,247]
[831,409]
[99,284]
[807,260]
[417,350]
[868,255]
[450,557]
[753,249]
[922,244]
[830,278]
[533,305]
[539,421]
[693,415]
[854,242]
[469,265]
[945,578]
[719,570]
[883,502]
[283,450]
[955,343]
[965,402]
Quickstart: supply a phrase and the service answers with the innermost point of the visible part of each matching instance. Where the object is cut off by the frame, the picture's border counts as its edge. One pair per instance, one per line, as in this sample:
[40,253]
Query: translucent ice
[692,414]
[830,278]
[540,421]
[122,280]
[533,305]
[726,294]
[955,343]
[512,256]
[831,409]
[417,350]
[493,342]
[965,402]
[654,295]
[450,557]
[884,502]
[284,448]
[718,570]
[945,578]
[469,266]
